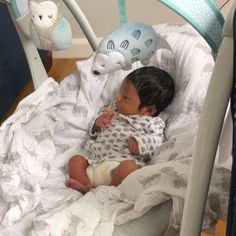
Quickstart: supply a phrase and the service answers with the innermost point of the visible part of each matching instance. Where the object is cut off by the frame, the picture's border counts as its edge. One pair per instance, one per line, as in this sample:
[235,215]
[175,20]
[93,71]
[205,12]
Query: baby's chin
[119,111]
[122,112]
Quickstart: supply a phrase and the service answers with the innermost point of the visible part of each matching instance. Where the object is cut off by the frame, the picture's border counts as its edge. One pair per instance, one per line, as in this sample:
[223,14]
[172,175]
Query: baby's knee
[128,165]
[77,159]
[122,171]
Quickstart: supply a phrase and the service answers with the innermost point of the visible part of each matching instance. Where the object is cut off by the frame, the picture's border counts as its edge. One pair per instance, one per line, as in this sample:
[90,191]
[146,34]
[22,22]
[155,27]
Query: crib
[50,125]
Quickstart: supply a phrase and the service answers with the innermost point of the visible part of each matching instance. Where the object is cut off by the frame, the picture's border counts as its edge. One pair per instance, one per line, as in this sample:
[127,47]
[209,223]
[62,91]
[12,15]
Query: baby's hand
[108,113]
[133,146]
[104,120]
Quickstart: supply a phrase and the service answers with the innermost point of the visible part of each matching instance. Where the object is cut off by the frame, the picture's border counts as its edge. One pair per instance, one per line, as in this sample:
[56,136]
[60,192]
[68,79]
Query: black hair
[155,87]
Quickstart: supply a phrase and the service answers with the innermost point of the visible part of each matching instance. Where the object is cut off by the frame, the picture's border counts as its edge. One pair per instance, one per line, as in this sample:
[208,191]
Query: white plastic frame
[209,132]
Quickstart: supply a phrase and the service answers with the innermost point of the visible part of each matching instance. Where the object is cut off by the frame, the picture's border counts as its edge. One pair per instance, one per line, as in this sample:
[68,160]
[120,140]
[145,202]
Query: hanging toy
[129,43]
[49,30]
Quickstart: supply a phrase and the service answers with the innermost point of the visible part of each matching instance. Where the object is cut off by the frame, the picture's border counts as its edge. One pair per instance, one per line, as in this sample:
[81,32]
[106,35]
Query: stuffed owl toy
[49,30]
[129,43]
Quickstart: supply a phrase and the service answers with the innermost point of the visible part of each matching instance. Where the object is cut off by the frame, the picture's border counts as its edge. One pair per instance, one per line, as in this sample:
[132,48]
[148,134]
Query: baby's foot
[73,183]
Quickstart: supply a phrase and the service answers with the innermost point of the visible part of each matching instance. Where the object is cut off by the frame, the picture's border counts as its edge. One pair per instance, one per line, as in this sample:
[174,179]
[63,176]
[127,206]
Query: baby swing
[212,118]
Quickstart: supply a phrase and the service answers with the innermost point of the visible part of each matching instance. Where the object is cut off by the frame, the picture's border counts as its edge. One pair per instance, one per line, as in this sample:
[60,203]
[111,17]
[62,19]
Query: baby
[127,133]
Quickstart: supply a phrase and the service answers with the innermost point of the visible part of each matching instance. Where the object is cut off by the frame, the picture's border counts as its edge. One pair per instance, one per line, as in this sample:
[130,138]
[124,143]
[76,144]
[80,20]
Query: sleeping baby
[126,134]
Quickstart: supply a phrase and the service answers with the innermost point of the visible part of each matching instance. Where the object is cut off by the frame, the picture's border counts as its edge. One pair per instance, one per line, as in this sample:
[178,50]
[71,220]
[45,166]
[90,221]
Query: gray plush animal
[129,43]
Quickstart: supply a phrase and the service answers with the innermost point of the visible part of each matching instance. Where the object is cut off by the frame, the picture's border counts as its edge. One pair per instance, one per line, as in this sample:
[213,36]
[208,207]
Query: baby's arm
[103,120]
[146,143]
[133,146]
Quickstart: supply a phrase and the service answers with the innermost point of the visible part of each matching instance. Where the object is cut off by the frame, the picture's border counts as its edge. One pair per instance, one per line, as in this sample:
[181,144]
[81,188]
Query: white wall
[103,16]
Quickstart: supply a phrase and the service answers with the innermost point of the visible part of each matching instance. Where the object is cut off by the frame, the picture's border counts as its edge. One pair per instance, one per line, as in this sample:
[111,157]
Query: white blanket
[36,142]
[51,125]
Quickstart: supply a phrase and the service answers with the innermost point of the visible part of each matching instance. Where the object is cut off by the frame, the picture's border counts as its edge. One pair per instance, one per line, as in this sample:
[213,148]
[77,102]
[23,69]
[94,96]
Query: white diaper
[101,174]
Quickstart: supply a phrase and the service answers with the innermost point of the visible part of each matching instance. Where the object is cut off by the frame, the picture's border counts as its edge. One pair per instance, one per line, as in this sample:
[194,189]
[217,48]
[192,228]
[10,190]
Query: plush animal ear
[33,7]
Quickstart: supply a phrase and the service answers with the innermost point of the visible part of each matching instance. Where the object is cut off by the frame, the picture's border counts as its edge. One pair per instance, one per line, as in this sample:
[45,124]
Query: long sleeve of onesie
[152,139]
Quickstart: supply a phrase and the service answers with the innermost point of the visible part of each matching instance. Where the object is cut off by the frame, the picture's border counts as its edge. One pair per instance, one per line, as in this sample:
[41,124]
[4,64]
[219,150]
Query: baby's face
[127,100]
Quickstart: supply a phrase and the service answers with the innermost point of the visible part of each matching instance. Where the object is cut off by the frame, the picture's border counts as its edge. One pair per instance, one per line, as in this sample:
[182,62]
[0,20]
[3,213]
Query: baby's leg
[78,176]
[122,171]
[76,185]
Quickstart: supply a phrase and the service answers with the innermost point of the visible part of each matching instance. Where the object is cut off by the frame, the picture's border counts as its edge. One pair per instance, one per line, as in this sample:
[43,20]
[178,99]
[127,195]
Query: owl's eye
[50,16]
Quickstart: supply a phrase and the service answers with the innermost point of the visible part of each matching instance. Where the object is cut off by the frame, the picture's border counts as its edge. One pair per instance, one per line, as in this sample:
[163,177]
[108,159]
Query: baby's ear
[150,110]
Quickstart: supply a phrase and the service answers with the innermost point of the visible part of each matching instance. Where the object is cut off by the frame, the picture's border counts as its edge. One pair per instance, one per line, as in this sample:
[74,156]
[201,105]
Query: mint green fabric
[203,15]
[122,11]
[19,7]
[15,8]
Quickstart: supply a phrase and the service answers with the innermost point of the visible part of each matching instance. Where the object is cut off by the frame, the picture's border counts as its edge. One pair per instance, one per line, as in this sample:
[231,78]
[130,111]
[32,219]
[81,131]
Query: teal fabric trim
[122,11]
[216,10]
[189,19]
[15,9]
